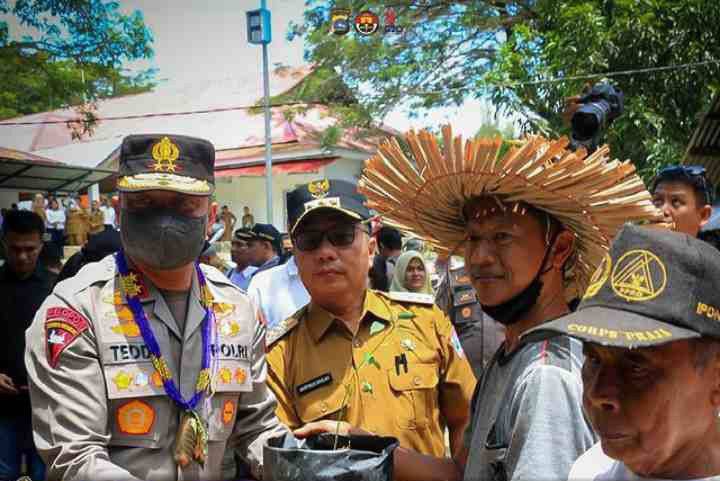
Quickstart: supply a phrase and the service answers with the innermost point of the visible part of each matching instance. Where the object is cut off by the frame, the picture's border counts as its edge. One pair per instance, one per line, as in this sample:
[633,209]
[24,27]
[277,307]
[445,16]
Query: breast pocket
[139,409]
[323,403]
[416,394]
[233,378]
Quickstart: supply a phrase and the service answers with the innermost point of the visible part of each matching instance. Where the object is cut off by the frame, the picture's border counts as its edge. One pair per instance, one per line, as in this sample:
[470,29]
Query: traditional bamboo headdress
[425,192]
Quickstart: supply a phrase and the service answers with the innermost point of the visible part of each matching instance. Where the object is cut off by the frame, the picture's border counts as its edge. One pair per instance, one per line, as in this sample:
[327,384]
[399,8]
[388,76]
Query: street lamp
[260,33]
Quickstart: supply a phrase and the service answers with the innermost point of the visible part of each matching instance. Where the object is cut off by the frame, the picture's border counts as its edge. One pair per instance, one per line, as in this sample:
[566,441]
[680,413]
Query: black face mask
[512,310]
[162,239]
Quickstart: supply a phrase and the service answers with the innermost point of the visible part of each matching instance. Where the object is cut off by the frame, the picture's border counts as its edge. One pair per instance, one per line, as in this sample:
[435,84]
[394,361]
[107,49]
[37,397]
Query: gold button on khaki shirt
[403,374]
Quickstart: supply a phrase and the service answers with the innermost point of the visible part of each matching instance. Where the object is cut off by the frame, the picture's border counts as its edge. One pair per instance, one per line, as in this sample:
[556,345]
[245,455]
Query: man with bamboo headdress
[533,224]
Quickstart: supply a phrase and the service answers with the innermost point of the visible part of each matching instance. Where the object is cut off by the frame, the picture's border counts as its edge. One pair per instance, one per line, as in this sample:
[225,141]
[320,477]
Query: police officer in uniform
[146,365]
[265,247]
[479,335]
[386,363]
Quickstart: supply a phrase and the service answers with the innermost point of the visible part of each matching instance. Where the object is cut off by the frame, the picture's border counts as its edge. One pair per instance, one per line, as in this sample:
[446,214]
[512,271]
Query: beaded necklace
[192,439]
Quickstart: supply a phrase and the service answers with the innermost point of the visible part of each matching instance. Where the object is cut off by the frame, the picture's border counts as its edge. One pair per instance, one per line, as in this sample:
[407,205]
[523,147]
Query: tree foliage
[66,52]
[508,50]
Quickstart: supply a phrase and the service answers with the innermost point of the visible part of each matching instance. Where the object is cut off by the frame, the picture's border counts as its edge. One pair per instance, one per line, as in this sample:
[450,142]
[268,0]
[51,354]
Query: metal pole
[268,143]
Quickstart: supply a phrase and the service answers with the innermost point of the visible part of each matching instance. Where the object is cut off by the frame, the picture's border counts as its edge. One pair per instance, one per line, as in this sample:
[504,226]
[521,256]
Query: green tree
[508,50]
[73,53]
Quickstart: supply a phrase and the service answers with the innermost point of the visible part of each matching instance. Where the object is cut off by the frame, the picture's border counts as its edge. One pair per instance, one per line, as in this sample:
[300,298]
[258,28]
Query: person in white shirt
[649,322]
[278,292]
[55,218]
[108,213]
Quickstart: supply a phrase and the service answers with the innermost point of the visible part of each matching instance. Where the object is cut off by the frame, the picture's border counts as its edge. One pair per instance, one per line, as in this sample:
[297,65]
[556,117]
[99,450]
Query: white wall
[250,191]
[238,192]
[345,169]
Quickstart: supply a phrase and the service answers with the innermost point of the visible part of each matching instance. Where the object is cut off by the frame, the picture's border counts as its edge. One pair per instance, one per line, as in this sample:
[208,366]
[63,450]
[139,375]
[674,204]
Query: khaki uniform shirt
[404,373]
[96,222]
[99,409]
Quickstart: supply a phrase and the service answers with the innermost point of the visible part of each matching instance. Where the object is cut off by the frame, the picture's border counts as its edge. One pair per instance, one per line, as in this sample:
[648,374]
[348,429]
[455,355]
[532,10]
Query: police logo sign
[639,275]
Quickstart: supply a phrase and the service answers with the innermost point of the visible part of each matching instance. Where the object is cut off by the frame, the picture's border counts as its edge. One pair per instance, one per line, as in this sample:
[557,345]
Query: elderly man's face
[503,250]
[654,408]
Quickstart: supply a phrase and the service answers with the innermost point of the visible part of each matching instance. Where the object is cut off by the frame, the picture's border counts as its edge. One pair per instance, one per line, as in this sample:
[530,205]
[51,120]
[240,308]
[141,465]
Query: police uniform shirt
[403,374]
[99,408]
[242,278]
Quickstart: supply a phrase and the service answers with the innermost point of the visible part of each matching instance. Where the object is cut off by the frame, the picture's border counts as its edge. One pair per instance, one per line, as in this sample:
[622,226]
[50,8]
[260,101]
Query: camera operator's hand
[7,386]
[328,426]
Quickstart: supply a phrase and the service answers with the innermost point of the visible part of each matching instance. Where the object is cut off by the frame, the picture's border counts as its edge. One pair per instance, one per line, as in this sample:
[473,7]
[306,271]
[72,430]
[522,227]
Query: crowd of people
[571,342]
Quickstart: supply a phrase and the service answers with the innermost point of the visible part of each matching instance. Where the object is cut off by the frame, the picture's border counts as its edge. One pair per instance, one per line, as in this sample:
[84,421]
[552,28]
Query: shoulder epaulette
[278,331]
[216,275]
[410,297]
[88,275]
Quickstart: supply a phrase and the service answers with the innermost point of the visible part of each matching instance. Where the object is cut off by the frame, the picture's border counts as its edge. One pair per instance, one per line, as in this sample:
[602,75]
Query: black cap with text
[655,286]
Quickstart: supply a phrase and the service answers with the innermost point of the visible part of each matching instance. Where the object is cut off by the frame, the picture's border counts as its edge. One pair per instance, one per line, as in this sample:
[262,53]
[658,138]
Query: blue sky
[196,40]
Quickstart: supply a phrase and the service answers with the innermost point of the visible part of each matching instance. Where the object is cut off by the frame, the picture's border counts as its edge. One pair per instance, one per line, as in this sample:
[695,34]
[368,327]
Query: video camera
[599,107]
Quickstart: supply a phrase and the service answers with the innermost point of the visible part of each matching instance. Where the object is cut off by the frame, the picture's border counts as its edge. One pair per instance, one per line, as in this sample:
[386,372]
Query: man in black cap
[650,325]
[127,379]
[388,363]
[265,247]
[243,271]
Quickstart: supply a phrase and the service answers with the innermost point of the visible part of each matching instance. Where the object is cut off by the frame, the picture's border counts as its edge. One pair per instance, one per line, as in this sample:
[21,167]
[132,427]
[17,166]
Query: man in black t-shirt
[24,285]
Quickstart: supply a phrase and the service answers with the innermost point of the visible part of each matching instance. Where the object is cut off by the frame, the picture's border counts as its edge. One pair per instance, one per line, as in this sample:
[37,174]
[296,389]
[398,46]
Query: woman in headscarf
[411,274]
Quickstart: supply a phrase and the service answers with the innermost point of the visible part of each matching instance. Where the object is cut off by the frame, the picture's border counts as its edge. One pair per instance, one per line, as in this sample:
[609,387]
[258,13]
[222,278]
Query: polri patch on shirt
[62,327]
[315,383]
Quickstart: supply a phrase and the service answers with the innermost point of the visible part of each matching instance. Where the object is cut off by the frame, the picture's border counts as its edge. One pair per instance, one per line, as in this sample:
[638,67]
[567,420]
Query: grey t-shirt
[527,421]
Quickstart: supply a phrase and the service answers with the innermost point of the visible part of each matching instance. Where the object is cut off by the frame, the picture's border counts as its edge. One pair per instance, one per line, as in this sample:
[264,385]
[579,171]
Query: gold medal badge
[191,441]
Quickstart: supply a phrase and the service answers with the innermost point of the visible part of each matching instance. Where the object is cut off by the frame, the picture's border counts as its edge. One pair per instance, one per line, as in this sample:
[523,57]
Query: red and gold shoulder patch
[62,327]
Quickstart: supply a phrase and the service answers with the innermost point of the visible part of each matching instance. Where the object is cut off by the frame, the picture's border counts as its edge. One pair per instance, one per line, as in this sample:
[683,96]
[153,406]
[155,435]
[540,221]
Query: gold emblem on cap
[319,188]
[639,275]
[165,154]
[599,277]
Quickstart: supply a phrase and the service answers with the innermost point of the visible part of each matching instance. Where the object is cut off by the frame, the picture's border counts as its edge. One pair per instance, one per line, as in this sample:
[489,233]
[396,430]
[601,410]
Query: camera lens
[588,120]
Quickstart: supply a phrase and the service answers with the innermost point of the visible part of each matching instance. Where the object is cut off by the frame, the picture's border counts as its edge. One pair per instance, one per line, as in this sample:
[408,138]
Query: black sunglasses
[338,236]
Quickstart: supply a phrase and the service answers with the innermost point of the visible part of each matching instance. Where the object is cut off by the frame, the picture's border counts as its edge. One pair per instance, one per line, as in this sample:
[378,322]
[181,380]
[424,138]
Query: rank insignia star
[130,285]
[123,380]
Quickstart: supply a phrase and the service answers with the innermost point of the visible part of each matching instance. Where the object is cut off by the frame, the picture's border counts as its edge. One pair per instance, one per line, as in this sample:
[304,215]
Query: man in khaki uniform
[390,364]
[96,219]
[75,226]
[146,365]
